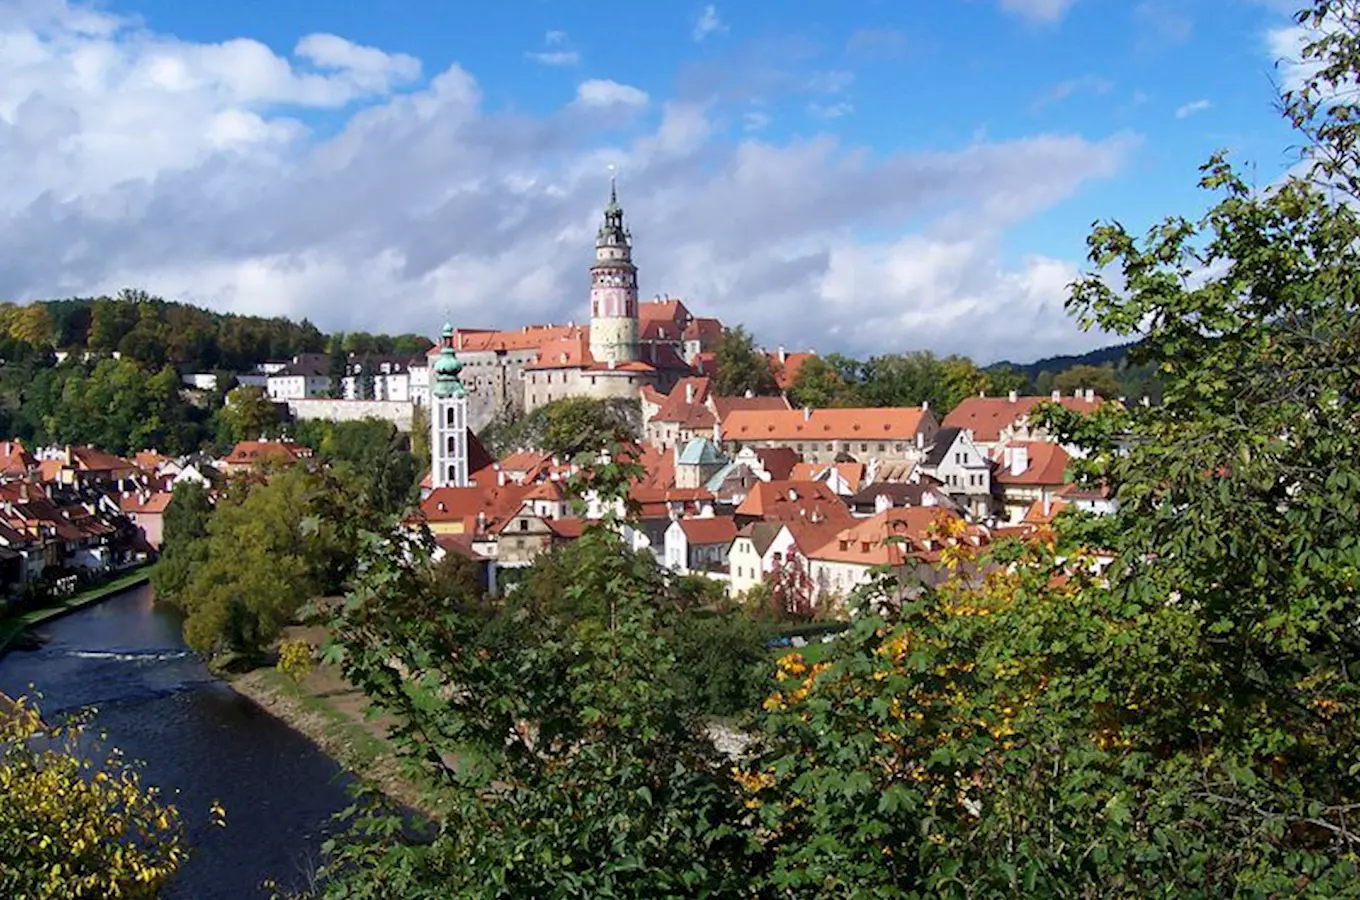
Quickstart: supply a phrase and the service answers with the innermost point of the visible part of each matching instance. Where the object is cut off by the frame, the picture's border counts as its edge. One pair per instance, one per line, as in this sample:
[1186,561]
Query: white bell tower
[448,419]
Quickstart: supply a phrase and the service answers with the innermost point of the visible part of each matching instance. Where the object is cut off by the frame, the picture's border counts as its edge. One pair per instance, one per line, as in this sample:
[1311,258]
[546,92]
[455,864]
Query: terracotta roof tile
[865,542]
[986,416]
[892,423]
[709,530]
[853,473]
[793,501]
[1047,464]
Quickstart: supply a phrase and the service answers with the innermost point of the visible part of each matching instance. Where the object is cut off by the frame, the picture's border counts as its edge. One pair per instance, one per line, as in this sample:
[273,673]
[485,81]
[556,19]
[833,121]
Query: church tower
[613,289]
[448,419]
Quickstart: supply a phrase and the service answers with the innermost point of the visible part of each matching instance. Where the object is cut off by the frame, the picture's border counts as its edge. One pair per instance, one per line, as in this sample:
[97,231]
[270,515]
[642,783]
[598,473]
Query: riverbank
[331,713]
[13,626]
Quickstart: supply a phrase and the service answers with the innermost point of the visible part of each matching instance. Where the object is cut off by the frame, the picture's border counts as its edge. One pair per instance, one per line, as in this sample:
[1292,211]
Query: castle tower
[448,419]
[613,289]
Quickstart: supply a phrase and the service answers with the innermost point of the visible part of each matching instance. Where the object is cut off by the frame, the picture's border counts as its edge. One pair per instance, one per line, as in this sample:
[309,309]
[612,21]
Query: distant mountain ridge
[1112,356]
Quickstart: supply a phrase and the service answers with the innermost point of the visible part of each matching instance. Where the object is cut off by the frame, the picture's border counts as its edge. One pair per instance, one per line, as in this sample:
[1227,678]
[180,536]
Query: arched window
[448,417]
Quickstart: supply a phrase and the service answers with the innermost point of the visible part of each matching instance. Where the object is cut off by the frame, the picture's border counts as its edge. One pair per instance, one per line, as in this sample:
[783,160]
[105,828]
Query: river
[159,704]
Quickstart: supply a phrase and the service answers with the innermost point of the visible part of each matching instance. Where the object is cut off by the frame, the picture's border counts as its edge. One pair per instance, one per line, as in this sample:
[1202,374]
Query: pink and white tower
[613,289]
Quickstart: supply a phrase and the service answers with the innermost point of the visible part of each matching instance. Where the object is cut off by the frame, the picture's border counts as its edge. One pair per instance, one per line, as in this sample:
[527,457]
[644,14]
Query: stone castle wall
[394,411]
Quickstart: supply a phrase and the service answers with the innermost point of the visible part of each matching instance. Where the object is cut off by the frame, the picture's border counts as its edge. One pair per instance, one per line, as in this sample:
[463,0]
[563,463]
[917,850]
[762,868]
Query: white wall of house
[746,568]
[676,554]
[297,387]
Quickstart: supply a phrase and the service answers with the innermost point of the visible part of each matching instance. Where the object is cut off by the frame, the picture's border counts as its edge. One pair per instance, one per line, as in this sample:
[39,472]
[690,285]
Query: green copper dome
[445,382]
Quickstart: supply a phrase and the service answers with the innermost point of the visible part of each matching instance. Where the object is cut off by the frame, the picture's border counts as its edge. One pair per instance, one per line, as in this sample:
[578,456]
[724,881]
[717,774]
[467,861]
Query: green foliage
[1100,379]
[741,366]
[248,415]
[271,546]
[892,380]
[566,427]
[77,821]
[568,761]
[183,540]
[374,450]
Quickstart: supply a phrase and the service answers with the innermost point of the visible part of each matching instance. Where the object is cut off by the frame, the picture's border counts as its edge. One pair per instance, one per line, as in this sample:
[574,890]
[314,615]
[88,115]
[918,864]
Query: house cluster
[741,489]
[68,512]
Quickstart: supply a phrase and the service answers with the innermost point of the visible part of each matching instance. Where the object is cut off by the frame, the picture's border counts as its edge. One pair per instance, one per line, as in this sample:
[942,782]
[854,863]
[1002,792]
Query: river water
[159,704]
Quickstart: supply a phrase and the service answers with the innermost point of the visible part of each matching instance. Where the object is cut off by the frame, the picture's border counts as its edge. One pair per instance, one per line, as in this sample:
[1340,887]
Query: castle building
[509,372]
[448,418]
[613,289]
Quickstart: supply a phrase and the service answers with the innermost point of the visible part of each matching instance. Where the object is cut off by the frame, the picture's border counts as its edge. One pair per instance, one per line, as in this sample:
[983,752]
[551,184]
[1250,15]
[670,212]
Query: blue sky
[974,138]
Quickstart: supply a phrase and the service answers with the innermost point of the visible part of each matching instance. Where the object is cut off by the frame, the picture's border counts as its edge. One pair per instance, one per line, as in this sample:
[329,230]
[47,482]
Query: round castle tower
[613,289]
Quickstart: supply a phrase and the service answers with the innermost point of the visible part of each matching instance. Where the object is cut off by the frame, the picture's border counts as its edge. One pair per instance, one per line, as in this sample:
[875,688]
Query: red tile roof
[709,530]
[864,542]
[152,504]
[787,371]
[1047,464]
[706,331]
[248,453]
[667,310]
[793,501]
[778,461]
[725,406]
[14,459]
[853,473]
[986,416]
[530,337]
[892,423]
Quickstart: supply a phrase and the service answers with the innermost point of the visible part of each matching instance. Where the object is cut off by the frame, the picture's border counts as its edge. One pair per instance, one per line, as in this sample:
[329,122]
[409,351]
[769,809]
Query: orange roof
[793,501]
[524,461]
[864,542]
[853,473]
[546,490]
[684,405]
[464,504]
[460,544]
[149,460]
[986,416]
[725,406]
[254,452]
[566,528]
[14,459]
[570,351]
[1035,515]
[88,459]
[891,423]
[709,530]
[703,330]
[152,504]
[666,310]
[530,337]
[1047,464]
[786,372]
[50,469]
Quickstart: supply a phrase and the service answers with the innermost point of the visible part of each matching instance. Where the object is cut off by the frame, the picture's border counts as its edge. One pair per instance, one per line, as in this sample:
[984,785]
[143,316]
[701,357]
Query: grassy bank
[330,713]
[11,626]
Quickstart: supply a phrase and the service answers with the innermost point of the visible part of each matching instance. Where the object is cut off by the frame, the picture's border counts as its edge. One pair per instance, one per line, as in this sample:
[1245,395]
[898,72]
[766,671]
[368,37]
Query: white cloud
[554,37]
[1038,10]
[1064,89]
[603,92]
[831,110]
[186,169]
[708,23]
[556,57]
[1186,110]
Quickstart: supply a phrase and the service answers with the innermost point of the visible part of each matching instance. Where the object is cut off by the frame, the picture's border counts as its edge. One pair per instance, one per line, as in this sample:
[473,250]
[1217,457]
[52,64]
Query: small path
[12,626]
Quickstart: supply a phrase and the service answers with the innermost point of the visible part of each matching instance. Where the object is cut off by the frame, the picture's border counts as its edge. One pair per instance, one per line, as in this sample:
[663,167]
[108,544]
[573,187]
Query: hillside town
[735,488]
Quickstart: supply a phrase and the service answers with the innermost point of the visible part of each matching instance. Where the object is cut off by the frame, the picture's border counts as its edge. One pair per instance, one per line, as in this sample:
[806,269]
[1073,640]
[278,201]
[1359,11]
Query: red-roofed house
[997,420]
[1028,471]
[692,410]
[147,512]
[15,461]
[848,559]
[820,435]
[249,455]
[791,501]
[786,365]
[699,545]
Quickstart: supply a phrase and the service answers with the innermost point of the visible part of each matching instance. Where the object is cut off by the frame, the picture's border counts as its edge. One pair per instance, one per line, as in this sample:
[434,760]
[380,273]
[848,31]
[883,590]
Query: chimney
[689,392]
[500,479]
[807,413]
[1057,395]
[481,523]
[750,394]
[1012,397]
[783,357]
[920,441]
[1048,505]
[925,405]
[1019,460]
[1090,395]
